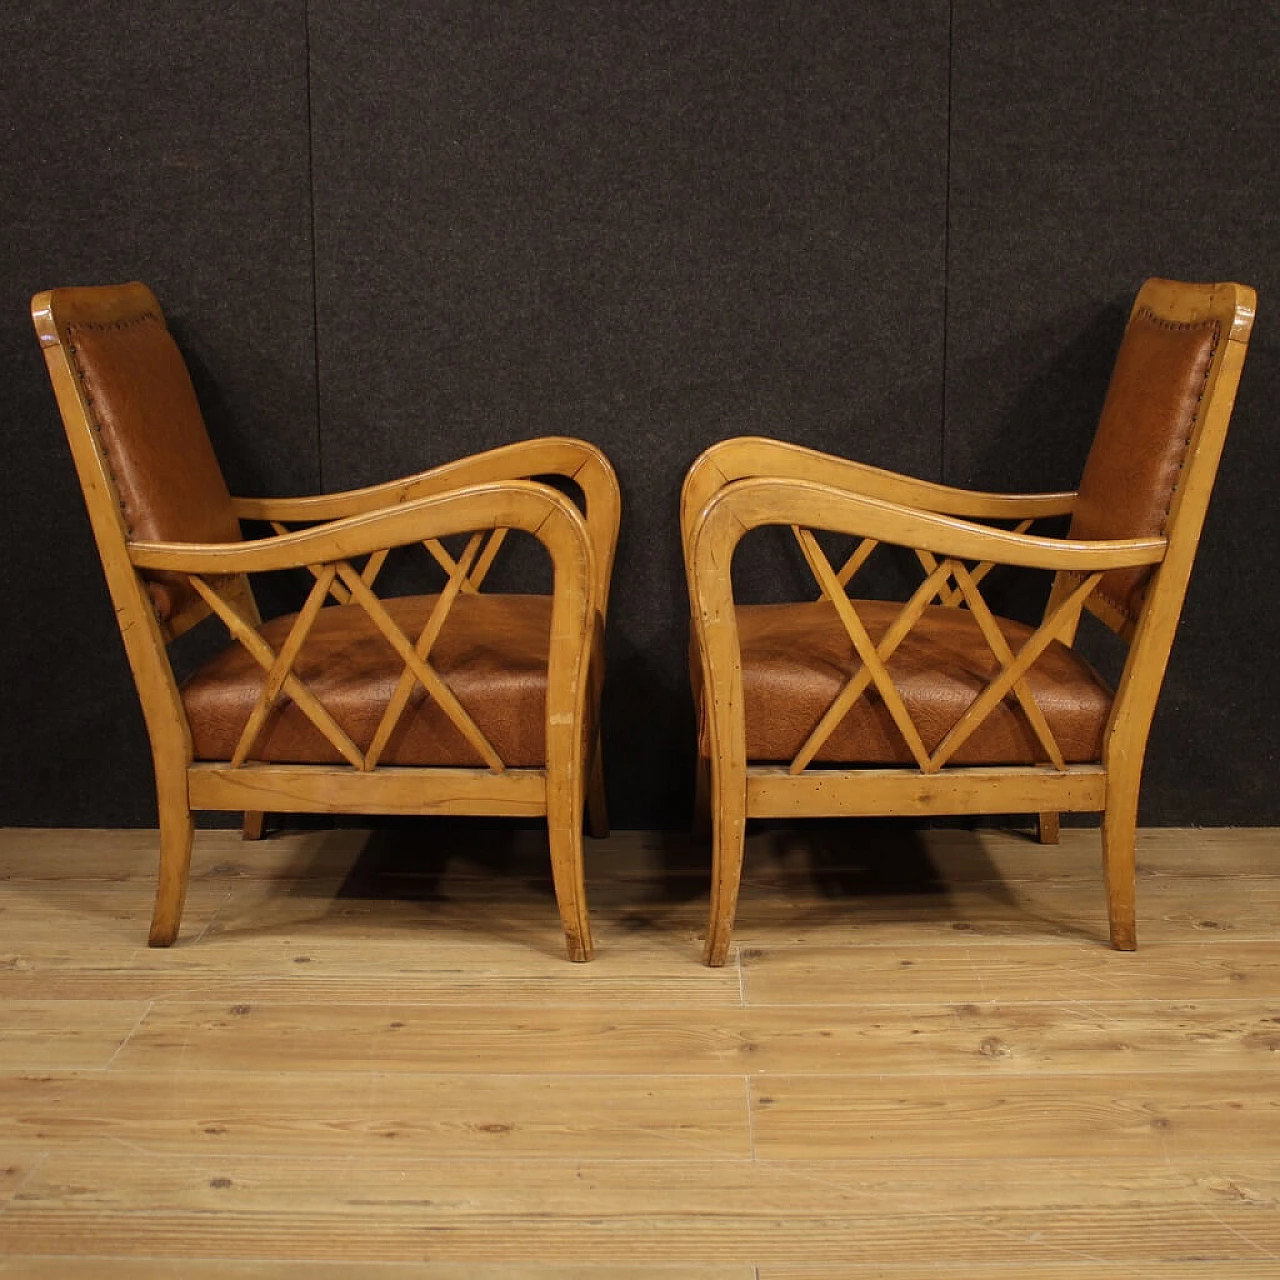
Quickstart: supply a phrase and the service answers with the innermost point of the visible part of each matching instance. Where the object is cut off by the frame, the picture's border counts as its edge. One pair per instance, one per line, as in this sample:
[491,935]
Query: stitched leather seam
[94,425]
[124,323]
[1148,314]
[1166,323]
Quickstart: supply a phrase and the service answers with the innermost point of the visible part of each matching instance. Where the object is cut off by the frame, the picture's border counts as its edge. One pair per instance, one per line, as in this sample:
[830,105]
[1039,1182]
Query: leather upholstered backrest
[1148,417]
[153,437]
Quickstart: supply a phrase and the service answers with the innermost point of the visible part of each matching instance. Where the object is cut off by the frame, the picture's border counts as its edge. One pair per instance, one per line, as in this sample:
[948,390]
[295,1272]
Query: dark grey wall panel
[1092,145]
[167,145]
[652,226]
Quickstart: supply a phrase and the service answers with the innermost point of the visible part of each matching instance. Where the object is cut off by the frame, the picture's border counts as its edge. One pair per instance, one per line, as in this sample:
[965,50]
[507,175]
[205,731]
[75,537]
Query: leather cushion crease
[492,653]
[797,657]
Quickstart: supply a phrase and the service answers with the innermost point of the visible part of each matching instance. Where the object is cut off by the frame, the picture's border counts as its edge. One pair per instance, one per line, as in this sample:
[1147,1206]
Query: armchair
[841,706]
[458,702]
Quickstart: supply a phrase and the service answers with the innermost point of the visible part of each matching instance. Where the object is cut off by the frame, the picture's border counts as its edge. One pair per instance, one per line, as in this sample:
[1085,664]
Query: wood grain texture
[127,387]
[359,1064]
[985,1039]
[749,483]
[1159,1116]
[32,1268]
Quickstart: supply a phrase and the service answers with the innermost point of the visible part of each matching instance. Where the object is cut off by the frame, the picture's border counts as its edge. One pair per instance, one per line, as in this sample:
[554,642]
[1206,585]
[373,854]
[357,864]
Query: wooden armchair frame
[742,484]
[345,547]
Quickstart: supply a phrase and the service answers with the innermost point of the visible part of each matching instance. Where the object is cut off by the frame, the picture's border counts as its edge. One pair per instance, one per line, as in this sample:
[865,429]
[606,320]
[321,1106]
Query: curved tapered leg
[1047,828]
[177,830]
[702,798]
[1119,837]
[254,822]
[564,835]
[597,805]
[728,834]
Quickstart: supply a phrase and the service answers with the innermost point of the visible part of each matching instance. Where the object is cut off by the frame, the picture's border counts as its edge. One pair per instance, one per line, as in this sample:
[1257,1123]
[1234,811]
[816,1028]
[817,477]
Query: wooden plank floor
[366,1057]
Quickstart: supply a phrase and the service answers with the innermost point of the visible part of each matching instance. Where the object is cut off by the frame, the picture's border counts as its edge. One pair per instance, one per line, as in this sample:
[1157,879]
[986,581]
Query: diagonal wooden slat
[262,653]
[949,596]
[1036,644]
[860,556]
[440,554]
[485,562]
[430,632]
[980,571]
[1004,655]
[428,678]
[282,668]
[336,589]
[954,596]
[858,682]
[865,648]
[373,566]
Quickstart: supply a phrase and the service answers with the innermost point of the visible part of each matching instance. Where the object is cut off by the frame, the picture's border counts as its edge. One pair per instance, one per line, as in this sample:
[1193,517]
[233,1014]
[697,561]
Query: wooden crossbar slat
[1036,644]
[336,589]
[282,668]
[948,596]
[1004,655]
[954,597]
[430,632]
[440,554]
[980,571]
[865,648]
[262,653]
[485,563]
[858,682]
[427,677]
[373,566]
[874,668]
[861,554]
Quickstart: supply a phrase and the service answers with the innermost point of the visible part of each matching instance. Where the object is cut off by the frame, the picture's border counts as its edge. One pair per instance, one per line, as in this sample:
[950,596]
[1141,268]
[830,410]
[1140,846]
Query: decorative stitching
[1178,325]
[86,384]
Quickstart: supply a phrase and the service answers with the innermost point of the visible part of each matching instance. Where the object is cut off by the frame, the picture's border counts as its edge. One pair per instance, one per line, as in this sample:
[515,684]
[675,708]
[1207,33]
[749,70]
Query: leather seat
[492,653]
[797,657]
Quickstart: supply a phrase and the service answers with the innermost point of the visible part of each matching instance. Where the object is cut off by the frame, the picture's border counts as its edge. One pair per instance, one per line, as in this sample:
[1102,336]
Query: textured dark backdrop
[906,233]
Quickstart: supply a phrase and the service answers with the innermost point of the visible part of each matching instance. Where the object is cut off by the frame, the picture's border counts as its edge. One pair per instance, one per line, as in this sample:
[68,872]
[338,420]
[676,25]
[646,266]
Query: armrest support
[746,457]
[575,460]
[534,508]
[712,536]
[747,504]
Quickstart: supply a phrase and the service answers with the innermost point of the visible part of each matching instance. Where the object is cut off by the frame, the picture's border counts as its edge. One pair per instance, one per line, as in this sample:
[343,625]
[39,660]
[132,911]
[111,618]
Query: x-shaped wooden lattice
[952,582]
[471,581]
[341,580]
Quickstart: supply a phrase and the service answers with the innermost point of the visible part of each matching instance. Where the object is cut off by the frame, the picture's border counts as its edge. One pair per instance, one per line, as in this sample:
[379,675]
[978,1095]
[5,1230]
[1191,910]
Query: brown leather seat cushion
[492,653]
[797,657]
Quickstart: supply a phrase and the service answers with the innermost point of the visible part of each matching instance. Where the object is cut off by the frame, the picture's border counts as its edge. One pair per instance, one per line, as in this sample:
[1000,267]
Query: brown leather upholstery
[1141,441]
[797,657]
[492,652]
[154,437]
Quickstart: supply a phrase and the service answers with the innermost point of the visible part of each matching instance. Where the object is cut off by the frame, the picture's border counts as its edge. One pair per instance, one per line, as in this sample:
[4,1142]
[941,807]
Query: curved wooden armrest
[515,504]
[575,460]
[747,504]
[747,457]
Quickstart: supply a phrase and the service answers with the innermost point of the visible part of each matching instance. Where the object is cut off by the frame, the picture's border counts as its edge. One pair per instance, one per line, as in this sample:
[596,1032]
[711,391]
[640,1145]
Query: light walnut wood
[772,790]
[389,789]
[487,497]
[743,484]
